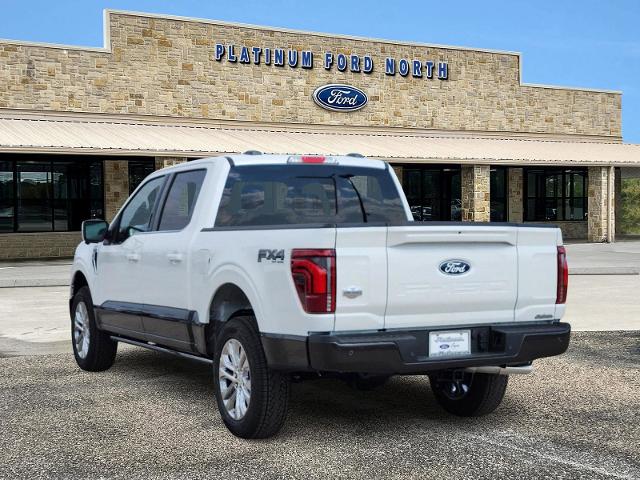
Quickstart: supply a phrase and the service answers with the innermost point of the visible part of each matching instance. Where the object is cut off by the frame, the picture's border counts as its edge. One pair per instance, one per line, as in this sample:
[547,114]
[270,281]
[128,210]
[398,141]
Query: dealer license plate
[450,343]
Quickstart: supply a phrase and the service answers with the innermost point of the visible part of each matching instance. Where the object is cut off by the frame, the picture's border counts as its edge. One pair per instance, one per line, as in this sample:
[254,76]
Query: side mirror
[94,231]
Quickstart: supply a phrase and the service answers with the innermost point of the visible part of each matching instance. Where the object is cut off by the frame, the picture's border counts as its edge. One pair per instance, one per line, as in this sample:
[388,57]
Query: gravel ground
[151,416]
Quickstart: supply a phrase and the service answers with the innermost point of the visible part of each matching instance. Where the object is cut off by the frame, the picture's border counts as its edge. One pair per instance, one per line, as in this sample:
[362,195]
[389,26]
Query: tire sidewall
[83,295]
[240,330]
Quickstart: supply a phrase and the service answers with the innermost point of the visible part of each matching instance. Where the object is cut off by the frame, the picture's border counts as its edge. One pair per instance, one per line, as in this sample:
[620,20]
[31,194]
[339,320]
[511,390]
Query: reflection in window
[40,193]
[181,200]
[555,194]
[433,193]
[498,189]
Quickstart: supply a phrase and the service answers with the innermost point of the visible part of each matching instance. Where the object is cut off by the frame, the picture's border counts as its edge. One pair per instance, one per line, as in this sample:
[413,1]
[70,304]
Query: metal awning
[92,136]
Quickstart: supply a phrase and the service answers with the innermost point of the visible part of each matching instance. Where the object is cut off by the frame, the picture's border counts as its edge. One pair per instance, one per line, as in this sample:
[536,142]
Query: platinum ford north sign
[340,98]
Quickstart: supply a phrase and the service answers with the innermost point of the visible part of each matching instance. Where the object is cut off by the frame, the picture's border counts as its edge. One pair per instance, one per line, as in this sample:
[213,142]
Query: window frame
[563,173]
[165,195]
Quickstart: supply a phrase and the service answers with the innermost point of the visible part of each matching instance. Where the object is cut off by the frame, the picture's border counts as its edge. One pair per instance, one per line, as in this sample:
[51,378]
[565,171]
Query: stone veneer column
[398,171]
[515,183]
[598,192]
[162,162]
[116,186]
[475,193]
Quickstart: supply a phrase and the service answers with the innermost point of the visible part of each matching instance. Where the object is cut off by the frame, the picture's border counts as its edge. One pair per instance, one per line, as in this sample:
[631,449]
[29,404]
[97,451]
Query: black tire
[485,393]
[365,382]
[101,351]
[269,390]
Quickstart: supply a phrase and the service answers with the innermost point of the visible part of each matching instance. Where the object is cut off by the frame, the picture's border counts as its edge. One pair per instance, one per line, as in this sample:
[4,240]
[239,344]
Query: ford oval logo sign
[340,98]
[454,267]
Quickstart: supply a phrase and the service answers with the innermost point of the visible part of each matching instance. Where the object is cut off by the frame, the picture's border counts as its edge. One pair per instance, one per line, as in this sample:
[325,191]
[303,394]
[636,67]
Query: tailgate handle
[352,292]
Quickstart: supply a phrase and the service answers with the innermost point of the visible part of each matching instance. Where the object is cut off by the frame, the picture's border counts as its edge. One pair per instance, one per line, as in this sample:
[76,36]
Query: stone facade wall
[475,183]
[599,204]
[515,200]
[163,162]
[167,67]
[116,186]
[15,246]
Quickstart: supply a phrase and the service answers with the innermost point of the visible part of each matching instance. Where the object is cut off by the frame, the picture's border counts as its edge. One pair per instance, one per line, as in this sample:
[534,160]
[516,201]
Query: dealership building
[81,127]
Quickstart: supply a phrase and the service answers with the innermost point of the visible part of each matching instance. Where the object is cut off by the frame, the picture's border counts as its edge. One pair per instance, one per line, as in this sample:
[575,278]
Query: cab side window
[137,215]
[181,200]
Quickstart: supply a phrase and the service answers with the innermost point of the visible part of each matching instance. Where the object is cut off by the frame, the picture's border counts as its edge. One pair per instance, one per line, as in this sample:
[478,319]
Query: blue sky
[584,43]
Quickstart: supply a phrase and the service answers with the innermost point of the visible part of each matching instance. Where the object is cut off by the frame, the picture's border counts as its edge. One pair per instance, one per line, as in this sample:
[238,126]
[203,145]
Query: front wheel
[93,349]
[252,398]
[469,394]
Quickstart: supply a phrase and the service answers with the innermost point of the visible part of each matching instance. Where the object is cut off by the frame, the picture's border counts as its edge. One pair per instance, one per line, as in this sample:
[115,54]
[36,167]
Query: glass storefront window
[433,192]
[44,193]
[6,197]
[555,194]
[138,171]
[498,189]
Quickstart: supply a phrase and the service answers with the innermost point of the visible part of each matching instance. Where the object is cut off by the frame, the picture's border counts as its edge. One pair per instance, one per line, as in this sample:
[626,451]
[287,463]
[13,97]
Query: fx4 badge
[273,256]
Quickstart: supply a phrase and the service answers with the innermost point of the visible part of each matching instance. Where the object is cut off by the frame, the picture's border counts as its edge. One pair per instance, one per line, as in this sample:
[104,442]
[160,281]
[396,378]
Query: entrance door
[433,192]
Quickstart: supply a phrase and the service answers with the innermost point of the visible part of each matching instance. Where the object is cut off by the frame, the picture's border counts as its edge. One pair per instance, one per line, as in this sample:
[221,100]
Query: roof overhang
[103,135]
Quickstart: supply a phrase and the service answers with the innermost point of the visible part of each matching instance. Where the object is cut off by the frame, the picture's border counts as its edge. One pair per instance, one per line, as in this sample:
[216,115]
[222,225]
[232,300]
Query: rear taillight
[563,276]
[314,275]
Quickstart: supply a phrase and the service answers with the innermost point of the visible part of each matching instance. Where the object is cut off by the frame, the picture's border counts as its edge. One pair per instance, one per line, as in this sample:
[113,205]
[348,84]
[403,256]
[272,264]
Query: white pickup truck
[273,268]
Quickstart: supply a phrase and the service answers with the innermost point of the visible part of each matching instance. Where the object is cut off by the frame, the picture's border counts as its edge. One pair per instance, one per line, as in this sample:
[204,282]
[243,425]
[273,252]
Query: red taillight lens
[314,275]
[563,276]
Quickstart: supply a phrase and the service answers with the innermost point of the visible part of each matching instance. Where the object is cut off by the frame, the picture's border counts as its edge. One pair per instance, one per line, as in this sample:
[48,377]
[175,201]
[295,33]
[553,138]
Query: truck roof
[271,159]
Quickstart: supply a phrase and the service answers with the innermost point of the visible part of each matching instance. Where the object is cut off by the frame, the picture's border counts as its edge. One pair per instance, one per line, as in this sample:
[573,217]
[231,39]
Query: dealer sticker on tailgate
[449,343]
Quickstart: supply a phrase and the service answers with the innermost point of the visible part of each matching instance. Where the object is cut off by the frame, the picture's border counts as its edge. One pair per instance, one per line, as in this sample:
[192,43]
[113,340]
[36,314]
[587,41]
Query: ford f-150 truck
[273,268]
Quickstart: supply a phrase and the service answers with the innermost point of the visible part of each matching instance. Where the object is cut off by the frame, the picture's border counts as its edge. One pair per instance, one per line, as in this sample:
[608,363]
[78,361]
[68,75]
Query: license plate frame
[449,343]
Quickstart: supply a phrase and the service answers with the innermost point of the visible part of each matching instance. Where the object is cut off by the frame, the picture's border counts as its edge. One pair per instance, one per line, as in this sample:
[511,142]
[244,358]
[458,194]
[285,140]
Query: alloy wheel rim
[81,332]
[234,376]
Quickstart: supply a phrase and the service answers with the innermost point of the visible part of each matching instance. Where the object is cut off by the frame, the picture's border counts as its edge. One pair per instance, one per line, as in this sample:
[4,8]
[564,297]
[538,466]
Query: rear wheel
[469,394]
[93,349]
[252,398]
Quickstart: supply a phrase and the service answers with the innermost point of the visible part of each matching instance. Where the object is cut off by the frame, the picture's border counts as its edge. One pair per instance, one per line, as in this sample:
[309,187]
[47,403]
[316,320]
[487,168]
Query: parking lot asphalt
[152,416]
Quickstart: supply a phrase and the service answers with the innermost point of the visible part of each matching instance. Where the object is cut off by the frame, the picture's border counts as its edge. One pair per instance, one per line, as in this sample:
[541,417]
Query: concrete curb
[604,271]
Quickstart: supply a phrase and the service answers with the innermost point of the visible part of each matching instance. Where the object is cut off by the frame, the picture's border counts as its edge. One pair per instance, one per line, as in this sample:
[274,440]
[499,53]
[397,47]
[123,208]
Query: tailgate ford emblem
[340,98]
[454,267]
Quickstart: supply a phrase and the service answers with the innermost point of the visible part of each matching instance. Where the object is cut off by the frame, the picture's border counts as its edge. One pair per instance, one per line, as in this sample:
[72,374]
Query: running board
[157,348]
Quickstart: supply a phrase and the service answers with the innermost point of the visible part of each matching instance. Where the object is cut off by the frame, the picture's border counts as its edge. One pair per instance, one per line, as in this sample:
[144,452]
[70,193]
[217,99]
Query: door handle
[174,257]
[352,292]
[133,257]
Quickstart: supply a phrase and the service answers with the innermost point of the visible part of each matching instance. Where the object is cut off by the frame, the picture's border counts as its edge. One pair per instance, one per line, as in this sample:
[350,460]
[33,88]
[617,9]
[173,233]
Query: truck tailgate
[430,285]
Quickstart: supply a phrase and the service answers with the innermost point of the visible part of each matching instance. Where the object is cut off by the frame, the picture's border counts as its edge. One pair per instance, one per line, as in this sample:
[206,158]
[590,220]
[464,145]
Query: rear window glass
[299,194]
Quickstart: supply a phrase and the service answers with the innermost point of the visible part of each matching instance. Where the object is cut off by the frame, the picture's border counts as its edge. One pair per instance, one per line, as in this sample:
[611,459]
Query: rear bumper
[407,351]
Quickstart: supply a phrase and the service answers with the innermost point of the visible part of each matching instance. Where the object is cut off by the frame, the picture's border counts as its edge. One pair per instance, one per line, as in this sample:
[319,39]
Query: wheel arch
[78,281]
[229,301]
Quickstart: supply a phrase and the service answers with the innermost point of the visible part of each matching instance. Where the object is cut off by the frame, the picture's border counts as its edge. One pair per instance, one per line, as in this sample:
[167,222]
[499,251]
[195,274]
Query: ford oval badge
[454,267]
[340,98]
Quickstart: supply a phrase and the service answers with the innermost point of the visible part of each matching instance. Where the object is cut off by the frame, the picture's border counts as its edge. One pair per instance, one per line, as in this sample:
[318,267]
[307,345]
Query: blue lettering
[267,56]
[342,62]
[355,63]
[328,60]
[368,64]
[417,68]
[403,67]
[293,58]
[230,55]
[278,57]
[443,70]
[219,51]
[307,59]
[256,55]
[429,66]
[390,66]
[244,55]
